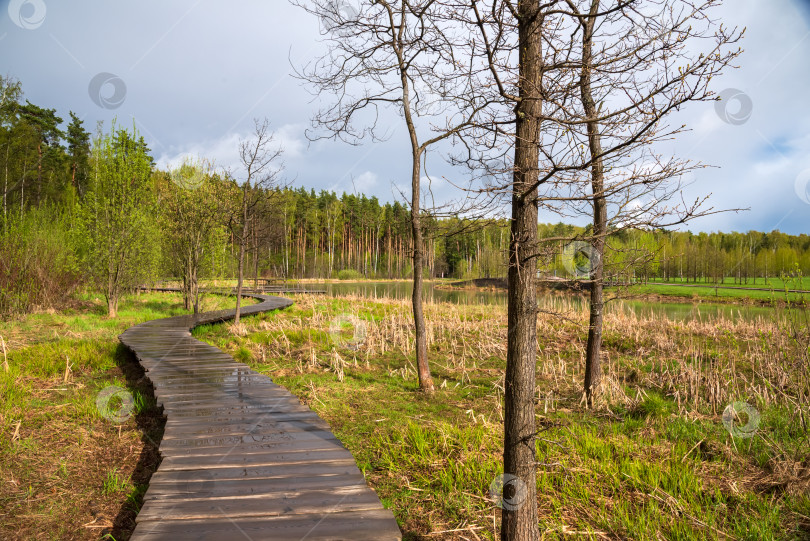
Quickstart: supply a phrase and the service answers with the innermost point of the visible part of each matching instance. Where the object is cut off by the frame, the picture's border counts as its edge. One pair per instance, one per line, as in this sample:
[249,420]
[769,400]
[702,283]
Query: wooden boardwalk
[242,458]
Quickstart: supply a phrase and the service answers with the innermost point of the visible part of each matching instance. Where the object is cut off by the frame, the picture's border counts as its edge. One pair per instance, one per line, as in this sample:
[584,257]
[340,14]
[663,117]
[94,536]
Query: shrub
[37,263]
[349,274]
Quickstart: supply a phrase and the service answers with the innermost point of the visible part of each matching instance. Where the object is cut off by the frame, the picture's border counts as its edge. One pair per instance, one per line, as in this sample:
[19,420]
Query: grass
[777,283]
[654,462]
[67,471]
[729,292]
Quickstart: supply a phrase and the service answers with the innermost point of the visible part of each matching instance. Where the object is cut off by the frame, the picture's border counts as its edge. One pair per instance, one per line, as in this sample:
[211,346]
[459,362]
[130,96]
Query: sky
[191,75]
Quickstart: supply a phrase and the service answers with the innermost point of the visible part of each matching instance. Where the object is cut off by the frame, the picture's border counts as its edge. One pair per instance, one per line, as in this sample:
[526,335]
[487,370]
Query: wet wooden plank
[342,466]
[299,453]
[215,421]
[331,499]
[242,457]
[243,430]
[375,525]
[255,443]
[197,487]
[249,435]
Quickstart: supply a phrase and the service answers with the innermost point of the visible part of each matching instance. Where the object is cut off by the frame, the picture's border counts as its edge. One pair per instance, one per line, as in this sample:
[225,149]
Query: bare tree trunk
[39,173]
[240,273]
[195,290]
[242,242]
[255,261]
[425,381]
[5,191]
[422,367]
[112,297]
[519,518]
[22,187]
[186,289]
[593,367]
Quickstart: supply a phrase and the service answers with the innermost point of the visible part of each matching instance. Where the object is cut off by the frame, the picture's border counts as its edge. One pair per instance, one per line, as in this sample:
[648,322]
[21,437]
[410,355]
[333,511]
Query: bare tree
[262,169]
[580,109]
[639,61]
[394,53]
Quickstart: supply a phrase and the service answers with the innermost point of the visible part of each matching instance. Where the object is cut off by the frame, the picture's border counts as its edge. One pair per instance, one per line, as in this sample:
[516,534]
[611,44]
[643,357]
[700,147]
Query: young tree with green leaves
[192,211]
[118,233]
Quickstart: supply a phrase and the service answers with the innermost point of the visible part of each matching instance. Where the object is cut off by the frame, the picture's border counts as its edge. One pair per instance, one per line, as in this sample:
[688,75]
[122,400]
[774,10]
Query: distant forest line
[54,175]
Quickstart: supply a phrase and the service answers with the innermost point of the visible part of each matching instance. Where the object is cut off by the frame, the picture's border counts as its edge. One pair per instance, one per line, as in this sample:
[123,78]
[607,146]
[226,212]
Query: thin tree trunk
[519,516]
[422,368]
[39,173]
[593,367]
[186,289]
[255,262]
[5,191]
[195,288]
[240,272]
[425,381]
[241,266]
[22,187]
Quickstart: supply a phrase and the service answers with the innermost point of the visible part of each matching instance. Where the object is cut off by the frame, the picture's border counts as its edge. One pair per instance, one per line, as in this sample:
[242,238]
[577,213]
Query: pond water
[672,310]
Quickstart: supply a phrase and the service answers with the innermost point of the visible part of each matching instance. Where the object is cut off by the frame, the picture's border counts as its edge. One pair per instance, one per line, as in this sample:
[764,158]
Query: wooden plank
[243,429]
[298,455]
[195,488]
[245,412]
[231,409]
[245,444]
[374,525]
[343,466]
[222,395]
[335,499]
[252,435]
[248,419]
[193,387]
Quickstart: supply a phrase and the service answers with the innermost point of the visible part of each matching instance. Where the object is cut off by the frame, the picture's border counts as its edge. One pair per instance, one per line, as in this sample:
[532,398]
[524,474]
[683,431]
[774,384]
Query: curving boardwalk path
[243,459]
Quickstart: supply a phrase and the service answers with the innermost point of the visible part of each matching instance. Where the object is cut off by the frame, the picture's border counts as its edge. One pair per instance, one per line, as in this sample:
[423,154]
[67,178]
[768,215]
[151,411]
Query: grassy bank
[654,462]
[69,472]
[726,294]
[776,283]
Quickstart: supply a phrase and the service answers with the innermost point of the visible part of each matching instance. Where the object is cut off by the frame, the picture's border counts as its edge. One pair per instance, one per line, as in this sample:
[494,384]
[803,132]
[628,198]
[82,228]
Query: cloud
[366,182]
[223,152]
[290,139]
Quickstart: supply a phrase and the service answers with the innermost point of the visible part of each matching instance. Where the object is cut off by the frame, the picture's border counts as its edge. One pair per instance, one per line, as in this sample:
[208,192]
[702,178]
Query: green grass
[644,469]
[68,465]
[710,293]
[730,291]
[776,283]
